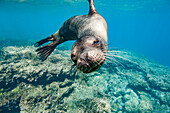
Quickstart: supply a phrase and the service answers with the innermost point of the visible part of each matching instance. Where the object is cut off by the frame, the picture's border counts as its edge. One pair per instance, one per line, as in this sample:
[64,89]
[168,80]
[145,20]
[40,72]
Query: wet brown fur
[78,28]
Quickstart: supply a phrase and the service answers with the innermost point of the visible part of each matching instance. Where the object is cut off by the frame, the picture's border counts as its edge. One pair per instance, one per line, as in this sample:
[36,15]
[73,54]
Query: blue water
[139,26]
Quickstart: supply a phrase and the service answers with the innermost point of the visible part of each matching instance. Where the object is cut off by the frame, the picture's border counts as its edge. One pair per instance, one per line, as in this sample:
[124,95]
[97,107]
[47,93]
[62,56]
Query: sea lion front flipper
[92,9]
[46,50]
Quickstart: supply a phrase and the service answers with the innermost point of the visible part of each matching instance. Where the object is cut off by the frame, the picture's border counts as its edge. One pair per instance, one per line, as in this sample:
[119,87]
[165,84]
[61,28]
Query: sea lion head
[88,53]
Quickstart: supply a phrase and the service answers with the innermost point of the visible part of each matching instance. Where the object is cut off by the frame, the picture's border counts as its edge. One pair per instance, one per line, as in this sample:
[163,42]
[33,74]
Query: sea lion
[91,47]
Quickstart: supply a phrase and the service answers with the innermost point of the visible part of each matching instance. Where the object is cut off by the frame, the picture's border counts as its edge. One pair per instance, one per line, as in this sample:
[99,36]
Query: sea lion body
[84,25]
[90,31]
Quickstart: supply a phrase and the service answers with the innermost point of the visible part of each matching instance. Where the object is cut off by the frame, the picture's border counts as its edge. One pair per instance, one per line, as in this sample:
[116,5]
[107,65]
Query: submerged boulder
[134,84]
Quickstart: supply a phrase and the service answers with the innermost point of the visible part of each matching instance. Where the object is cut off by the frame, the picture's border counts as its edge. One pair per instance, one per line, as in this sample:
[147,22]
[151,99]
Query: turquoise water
[137,81]
[135,25]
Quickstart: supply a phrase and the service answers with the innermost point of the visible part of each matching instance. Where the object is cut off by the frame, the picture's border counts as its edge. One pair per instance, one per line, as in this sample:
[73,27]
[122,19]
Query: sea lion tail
[92,9]
[46,50]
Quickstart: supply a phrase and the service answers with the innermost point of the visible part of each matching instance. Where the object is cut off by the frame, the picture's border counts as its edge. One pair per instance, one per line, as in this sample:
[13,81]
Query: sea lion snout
[90,61]
[83,61]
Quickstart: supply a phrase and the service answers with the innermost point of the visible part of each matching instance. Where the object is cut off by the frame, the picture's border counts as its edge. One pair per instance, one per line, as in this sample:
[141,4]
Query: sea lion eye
[73,56]
[96,42]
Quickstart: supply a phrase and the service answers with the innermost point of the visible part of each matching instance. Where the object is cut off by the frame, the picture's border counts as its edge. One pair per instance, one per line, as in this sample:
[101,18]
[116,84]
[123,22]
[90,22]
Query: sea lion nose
[85,56]
[84,59]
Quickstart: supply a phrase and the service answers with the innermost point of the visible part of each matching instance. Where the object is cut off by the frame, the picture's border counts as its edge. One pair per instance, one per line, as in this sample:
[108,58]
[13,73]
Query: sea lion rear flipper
[92,9]
[50,38]
[45,51]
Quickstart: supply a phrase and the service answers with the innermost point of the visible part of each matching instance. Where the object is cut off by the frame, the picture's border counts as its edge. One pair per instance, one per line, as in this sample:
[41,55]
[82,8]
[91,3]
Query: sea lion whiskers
[116,51]
[110,66]
[96,63]
[113,52]
[116,60]
[112,58]
[73,70]
[126,59]
[107,60]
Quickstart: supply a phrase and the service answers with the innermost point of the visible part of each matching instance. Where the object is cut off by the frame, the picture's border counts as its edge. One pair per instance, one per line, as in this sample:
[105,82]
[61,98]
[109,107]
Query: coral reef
[30,85]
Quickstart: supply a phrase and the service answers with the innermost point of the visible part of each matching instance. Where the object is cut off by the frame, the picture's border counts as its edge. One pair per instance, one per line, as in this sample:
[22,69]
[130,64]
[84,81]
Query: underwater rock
[29,85]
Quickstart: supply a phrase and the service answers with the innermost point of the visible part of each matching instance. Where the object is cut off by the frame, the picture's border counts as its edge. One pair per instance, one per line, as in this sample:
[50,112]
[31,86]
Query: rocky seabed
[28,85]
